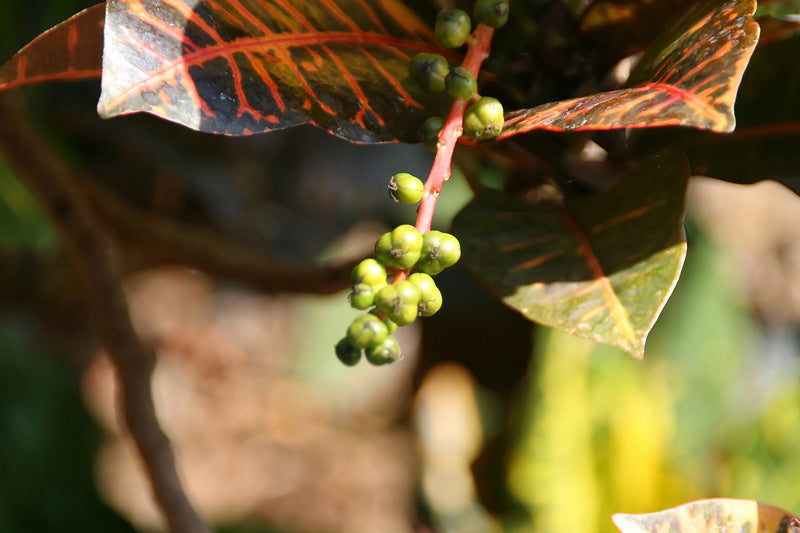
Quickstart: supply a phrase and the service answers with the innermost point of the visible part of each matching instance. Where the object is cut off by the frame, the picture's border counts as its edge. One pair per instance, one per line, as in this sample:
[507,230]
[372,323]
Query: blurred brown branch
[95,255]
[166,240]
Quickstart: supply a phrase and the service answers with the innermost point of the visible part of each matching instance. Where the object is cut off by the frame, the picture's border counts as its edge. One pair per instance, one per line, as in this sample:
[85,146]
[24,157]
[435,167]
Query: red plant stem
[452,130]
[479,47]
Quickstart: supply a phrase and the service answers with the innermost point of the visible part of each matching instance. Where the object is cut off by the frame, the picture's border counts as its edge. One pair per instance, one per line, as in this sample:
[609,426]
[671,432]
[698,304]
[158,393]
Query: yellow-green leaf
[599,267]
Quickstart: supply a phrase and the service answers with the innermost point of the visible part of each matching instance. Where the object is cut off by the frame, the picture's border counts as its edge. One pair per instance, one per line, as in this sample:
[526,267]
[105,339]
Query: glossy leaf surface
[688,77]
[719,515]
[238,67]
[71,50]
[599,267]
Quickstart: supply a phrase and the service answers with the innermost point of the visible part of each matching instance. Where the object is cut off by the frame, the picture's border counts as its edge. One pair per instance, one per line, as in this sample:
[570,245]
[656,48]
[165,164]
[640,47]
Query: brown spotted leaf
[599,267]
[719,515]
[688,77]
[238,67]
[71,50]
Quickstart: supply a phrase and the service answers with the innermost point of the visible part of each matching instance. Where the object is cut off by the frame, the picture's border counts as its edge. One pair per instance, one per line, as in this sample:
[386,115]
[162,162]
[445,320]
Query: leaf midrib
[614,303]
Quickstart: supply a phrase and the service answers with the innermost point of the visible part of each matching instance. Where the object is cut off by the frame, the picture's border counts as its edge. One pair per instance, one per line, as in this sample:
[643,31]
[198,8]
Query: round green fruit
[400,247]
[429,132]
[484,119]
[493,13]
[452,27]
[362,296]
[369,271]
[399,302]
[439,251]
[429,70]
[459,83]
[346,353]
[366,331]
[386,352]
[430,300]
[405,188]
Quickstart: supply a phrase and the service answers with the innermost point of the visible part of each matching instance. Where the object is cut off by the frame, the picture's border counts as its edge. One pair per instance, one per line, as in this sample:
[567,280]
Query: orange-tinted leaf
[719,515]
[764,145]
[238,67]
[599,267]
[688,77]
[70,51]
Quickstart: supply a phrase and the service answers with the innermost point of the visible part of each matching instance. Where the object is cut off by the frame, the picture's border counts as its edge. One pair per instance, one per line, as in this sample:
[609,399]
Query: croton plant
[585,234]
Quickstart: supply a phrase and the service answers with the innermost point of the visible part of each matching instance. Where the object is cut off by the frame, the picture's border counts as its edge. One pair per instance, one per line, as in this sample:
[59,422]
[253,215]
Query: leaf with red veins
[69,51]
[238,67]
[712,516]
[688,77]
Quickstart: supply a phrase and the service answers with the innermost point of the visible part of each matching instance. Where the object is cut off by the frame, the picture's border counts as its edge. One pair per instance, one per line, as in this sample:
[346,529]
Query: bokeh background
[487,424]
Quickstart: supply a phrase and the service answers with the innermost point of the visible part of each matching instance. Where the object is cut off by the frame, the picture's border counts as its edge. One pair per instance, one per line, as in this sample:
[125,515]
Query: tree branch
[168,240]
[94,254]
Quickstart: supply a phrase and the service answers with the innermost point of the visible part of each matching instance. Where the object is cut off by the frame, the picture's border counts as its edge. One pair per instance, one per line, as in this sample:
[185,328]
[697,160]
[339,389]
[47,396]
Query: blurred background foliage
[489,424]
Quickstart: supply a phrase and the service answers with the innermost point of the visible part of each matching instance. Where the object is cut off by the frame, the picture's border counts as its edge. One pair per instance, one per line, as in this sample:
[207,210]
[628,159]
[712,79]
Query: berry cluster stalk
[452,130]
[479,47]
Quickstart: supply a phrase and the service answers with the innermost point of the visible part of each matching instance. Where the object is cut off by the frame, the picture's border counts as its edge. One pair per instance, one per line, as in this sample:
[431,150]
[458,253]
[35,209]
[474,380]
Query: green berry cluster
[484,117]
[404,249]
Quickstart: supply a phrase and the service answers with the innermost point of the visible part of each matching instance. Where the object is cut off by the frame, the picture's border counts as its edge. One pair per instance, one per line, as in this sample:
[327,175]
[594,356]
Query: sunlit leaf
[712,516]
[599,267]
[688,77]
[71,50]
[764,145]
[238,67]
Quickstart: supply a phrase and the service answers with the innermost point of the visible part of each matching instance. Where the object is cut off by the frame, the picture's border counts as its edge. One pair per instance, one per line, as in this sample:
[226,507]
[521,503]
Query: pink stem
[453,128]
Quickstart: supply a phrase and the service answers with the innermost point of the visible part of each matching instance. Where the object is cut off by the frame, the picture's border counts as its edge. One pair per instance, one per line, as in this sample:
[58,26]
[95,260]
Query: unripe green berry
[369,271]
[366,331]
[429,132]
[459,83]
[429,70]
[399,302]
[405,188]
[400,247]
[493,13]
[362,296]
[452,27]
[386,352]
[346,353]
[430,299]
[484,119]
[439,251]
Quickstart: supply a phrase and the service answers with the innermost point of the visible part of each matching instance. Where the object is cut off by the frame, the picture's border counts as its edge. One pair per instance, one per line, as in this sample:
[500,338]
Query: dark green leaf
[619,28]
[600,267]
